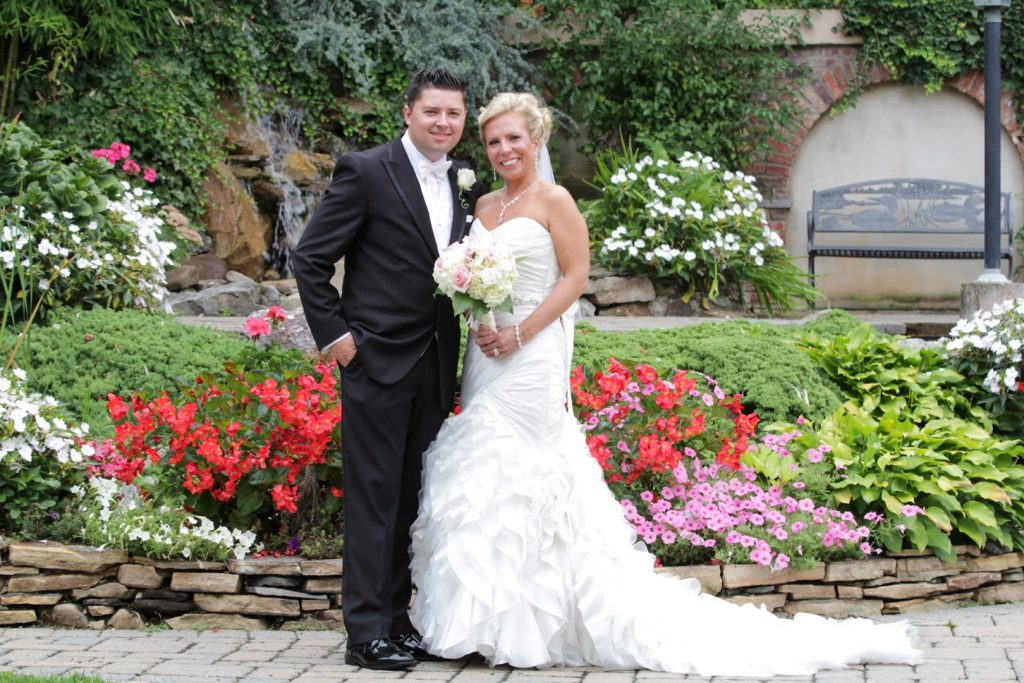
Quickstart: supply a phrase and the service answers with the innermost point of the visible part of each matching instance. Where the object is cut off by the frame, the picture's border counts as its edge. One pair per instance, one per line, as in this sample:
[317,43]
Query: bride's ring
[496,352]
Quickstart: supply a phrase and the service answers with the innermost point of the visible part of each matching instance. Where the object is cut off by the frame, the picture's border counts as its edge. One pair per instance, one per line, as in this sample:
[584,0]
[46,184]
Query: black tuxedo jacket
[374,215]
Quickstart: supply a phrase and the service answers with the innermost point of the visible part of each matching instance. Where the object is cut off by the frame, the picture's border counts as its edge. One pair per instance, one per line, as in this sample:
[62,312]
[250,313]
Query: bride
[520,552]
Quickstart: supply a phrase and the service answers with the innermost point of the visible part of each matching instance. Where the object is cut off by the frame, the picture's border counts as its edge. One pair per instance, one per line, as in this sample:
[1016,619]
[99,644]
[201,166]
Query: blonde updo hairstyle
[538,117]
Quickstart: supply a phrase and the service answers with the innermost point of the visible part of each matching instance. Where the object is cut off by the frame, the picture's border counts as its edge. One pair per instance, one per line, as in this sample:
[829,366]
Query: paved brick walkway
[978,644]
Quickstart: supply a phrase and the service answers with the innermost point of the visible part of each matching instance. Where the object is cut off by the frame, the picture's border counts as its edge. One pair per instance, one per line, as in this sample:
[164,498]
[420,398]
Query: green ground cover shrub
[83,356]
[760,360]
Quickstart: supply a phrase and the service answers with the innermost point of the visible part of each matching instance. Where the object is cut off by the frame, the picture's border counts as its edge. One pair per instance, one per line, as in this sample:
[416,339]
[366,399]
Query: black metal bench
[930,212]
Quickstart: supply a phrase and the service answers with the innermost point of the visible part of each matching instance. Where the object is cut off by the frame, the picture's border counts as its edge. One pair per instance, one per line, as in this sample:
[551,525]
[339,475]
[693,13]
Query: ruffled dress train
[522,554]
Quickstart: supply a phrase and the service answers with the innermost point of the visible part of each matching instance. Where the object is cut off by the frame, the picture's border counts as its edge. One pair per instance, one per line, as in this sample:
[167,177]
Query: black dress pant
[384,431]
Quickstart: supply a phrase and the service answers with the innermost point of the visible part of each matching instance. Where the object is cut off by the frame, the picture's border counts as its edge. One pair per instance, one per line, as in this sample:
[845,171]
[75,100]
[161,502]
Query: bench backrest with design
[929,219]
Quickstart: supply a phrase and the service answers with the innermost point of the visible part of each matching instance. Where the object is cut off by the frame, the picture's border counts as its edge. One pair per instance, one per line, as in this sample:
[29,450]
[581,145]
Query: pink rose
[130,167]
[149,175]
[461,278]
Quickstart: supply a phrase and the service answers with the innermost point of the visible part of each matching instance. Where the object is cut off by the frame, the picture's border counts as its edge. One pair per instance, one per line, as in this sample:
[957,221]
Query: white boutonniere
[465,179]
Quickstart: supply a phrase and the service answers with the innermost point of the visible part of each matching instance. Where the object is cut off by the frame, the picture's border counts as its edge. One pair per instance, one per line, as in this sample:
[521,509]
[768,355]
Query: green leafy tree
[692,75]
[48,37]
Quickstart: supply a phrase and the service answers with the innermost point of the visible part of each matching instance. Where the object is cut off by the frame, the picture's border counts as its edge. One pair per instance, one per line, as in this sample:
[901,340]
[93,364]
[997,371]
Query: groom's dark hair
[432,77]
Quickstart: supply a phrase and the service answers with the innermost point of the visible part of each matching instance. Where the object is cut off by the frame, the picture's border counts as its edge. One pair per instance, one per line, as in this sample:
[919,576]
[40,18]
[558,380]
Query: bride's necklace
[505,205]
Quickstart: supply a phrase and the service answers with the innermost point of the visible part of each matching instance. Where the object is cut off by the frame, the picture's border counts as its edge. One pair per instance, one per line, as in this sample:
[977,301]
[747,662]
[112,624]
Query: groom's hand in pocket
[344,350]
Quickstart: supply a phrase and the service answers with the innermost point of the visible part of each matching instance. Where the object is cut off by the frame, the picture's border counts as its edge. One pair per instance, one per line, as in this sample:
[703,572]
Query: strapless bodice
[536,260]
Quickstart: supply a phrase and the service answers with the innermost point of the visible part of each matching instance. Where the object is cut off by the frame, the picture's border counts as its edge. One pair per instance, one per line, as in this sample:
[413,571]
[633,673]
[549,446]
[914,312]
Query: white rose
[465,178]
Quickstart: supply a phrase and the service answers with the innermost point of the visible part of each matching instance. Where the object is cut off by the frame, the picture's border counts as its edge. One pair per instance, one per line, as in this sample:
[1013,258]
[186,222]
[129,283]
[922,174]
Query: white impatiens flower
[46,436]
[991,342]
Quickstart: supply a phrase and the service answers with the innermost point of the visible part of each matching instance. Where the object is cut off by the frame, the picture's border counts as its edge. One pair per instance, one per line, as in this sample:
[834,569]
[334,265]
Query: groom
[389,211]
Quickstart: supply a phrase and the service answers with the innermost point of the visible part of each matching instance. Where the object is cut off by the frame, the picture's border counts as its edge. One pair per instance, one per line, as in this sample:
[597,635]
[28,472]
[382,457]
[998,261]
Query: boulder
[242,139]
[184,565]
[15,617]
[281,582]
[210,266]
[709,576]
[111,590]
[285,287]
[280,566]
[30,599]
[225,622]
[182,277]
[67,614]
[328,585]
[620,290]
[125,620]
[44,583]
[241,235]
[206,582]
[163,606]
[741,575]
[302,168]
[69,558]
[139,576]
[233,298]
[248,604]
[837,609]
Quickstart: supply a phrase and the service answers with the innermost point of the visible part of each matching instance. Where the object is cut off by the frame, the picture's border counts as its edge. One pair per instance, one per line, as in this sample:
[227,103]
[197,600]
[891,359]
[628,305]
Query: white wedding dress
[522,554]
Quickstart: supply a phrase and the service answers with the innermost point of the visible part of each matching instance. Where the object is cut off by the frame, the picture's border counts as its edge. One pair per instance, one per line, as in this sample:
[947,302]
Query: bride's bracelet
[519,339]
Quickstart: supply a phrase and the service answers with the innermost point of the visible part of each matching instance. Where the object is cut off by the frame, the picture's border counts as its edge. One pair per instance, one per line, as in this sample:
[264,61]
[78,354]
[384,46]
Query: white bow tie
[435,169]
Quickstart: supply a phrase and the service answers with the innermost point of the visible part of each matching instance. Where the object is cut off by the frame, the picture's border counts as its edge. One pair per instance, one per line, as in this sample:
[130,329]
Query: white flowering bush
[988,349]
[690,220]
[116,515]
[73,233]
[477,273]
[41,452]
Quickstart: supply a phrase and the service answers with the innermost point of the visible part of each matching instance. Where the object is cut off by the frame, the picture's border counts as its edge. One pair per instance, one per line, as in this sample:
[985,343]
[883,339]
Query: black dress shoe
[378,654]
[412,643]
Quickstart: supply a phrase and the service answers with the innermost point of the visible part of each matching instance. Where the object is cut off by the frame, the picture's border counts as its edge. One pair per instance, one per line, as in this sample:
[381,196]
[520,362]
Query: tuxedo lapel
[458,212]
[407,185]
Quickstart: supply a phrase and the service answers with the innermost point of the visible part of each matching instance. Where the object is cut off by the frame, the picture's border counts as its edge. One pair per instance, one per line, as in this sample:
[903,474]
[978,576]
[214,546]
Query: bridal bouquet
[477,273]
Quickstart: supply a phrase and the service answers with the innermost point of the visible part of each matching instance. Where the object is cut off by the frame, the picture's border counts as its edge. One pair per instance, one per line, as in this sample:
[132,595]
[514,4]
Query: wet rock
[241,235]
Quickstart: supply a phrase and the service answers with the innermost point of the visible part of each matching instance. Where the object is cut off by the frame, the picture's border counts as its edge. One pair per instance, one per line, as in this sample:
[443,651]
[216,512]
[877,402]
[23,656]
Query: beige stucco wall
[896,131]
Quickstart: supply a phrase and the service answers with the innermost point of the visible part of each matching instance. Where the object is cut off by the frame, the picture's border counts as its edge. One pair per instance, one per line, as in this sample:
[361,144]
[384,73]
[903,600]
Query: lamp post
[993,182]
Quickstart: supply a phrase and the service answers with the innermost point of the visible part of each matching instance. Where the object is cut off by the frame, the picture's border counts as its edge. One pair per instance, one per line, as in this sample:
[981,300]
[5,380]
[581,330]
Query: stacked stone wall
[81,587]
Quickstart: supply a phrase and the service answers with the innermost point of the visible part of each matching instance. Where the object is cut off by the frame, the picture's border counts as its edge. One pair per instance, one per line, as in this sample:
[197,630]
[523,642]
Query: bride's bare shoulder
[556,194]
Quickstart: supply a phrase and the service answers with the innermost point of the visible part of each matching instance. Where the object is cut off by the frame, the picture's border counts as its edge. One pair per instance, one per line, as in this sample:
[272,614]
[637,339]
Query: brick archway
[832,70]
